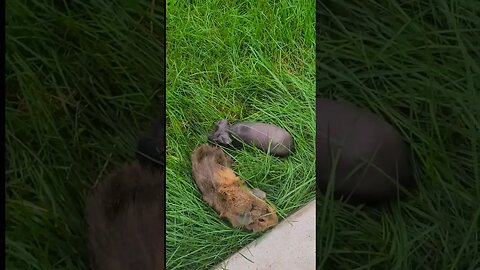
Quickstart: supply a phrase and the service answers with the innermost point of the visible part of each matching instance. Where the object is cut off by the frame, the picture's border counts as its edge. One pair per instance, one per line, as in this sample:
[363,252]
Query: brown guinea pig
[227,194]
[125,212]
[125,218]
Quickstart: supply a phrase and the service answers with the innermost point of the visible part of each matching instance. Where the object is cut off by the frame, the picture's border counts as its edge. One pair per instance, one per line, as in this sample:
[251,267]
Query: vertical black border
[164,121]
[317,59]
[3,118]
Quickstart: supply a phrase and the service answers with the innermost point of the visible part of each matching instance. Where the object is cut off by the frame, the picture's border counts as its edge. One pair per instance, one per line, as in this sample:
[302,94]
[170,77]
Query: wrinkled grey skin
[367,156]
[261,135]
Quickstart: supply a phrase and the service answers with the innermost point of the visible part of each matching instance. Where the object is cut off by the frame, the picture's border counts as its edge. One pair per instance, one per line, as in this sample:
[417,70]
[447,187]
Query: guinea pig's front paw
[259,193]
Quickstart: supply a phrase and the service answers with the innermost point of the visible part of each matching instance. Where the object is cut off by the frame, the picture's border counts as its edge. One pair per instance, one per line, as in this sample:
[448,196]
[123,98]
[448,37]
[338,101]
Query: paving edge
[289,245]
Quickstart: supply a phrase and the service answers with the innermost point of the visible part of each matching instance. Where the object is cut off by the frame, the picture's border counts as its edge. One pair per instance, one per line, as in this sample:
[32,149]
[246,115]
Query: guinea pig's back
[125,221]
[264,136]
[206,161]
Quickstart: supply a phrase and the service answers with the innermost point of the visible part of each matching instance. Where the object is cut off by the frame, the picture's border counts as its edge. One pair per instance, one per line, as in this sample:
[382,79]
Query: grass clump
[245,60]
[81,82]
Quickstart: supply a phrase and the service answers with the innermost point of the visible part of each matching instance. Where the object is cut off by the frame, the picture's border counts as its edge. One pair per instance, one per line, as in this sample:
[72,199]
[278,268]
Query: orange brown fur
[125,219]
[226,193]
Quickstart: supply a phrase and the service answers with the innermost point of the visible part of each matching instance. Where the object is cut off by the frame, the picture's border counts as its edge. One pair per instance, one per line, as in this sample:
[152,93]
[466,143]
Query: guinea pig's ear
[151,147]
[244,218]
[222,124]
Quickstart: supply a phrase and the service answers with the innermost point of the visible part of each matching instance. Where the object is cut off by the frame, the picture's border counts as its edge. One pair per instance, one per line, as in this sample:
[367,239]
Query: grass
[416,64]
[241,60]
[82,81]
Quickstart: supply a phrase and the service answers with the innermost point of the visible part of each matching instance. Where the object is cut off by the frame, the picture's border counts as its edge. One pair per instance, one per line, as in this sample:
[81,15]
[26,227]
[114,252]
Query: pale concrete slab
[289,245]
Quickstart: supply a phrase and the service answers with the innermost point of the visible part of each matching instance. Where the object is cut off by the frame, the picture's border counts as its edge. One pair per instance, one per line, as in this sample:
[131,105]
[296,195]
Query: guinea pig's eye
[261,220]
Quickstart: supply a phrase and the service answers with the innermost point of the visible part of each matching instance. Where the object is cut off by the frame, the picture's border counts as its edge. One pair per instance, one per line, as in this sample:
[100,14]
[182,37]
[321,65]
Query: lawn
[417,64]
[241,60]
[83,80]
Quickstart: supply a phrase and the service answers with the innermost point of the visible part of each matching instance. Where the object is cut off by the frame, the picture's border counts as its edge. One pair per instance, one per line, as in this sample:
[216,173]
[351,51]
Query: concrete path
[290,245]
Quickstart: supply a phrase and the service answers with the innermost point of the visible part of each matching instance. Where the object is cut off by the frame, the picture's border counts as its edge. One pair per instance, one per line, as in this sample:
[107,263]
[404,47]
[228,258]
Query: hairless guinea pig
[227,194]
[264,136]
[367,156]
